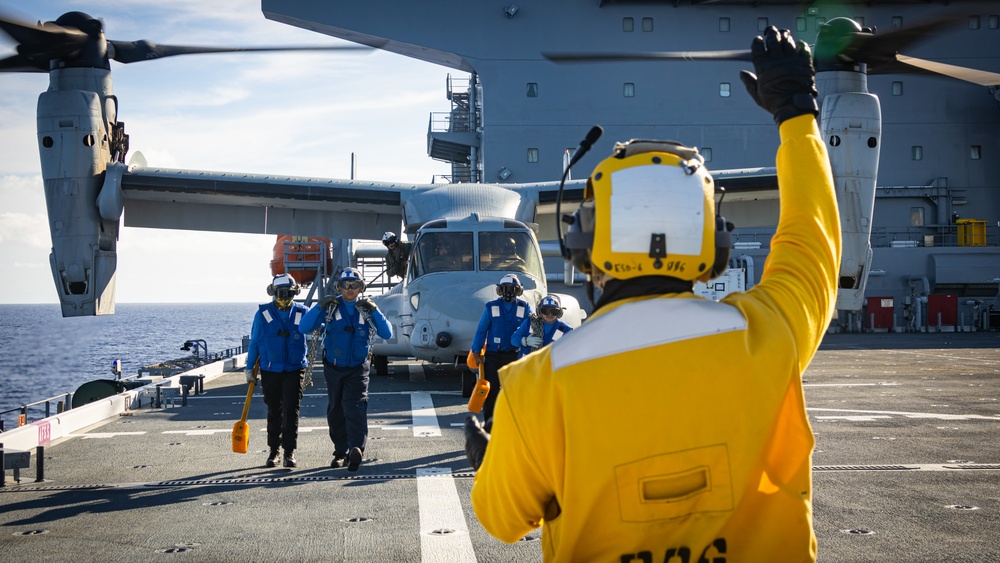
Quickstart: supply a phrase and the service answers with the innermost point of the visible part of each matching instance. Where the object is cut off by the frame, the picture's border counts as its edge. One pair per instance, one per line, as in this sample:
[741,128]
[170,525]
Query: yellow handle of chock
[246,406]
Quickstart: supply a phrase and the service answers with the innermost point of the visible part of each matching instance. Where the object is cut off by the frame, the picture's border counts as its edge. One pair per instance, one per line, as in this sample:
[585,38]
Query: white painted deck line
[444,536]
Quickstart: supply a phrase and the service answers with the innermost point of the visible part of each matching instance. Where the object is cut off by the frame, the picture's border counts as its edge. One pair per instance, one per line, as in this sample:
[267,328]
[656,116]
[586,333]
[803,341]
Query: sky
[300,114]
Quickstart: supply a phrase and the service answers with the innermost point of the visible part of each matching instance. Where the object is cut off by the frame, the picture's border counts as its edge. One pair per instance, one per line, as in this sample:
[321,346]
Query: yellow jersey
[673,426]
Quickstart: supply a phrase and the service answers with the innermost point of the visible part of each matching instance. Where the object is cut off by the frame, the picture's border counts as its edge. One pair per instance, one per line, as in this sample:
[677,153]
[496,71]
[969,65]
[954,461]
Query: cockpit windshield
[446,251]
[453,251]
[508,251]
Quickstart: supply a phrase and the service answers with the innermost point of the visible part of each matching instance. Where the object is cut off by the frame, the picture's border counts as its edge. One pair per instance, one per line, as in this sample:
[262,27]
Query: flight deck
[906,468]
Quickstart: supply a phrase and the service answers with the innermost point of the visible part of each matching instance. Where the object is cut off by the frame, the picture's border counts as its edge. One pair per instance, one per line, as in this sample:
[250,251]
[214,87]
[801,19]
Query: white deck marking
[849,384]
[855,418]
[202,432]
[102,435]
[931,415]
[425,422]
[443,533]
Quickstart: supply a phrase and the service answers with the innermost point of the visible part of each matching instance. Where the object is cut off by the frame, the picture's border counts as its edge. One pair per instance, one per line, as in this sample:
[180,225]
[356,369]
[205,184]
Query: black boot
[354,459]
[290,459]
[272,458]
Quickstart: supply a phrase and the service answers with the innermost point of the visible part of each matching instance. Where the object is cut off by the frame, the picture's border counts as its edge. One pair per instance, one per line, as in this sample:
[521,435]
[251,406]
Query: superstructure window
[724,24]
[976,152]
[628,90]
[916,216]
[647,24]
[706,152]
[897,88]
[896,22]
[761,24]
[532,89]
[917,152]
[628,24]
[800,24]
[532,155]
[974,22]
[724,90]
[993,22]
[820,21]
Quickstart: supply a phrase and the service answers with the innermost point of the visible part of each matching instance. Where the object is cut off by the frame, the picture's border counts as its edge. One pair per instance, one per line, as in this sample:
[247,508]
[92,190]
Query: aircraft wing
[262,204]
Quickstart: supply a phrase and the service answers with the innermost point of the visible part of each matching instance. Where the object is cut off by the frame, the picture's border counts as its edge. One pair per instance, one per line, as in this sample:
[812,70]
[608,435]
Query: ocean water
[43,354]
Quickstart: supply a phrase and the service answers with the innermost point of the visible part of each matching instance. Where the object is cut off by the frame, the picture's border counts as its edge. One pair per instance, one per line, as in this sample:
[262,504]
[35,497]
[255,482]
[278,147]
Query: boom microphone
[592,136]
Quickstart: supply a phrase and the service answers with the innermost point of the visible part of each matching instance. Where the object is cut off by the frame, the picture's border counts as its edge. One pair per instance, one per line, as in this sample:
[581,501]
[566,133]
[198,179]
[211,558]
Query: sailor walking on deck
[541,329]
[351,324]
[499,321]
[275,340]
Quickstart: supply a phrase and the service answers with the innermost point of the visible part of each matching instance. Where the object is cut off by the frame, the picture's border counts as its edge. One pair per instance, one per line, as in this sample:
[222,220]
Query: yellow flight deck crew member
[707,454]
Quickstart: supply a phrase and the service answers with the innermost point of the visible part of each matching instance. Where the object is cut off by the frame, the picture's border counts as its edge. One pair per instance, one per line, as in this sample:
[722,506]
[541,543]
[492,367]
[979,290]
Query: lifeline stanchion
[39,464]
[3,468]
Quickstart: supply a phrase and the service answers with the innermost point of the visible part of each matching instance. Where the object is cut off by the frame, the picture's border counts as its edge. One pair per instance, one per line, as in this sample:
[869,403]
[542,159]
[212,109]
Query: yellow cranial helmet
[649,210]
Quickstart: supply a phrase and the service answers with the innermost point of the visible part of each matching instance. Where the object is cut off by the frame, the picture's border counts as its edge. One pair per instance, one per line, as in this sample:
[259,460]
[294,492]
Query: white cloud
[22,228]
[291,113]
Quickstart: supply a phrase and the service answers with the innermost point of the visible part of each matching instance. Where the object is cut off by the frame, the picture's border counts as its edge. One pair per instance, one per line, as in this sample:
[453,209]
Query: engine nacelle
[74,149]
[851,125]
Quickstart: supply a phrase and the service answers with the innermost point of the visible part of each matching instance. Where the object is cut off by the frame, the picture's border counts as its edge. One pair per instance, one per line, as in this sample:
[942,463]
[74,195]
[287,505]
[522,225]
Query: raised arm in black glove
[476,440]
[784,84]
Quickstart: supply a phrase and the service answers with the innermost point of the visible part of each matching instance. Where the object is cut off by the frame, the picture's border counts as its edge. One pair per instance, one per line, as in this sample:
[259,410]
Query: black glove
[476,440]
[784,84]
[328,301]
[366,305]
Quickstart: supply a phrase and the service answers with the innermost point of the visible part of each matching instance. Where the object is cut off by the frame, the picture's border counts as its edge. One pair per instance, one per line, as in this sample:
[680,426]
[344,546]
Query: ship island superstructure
[515,115]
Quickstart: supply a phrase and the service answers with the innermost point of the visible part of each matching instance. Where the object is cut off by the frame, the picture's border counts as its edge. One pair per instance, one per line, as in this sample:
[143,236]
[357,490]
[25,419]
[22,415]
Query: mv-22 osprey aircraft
[488,228]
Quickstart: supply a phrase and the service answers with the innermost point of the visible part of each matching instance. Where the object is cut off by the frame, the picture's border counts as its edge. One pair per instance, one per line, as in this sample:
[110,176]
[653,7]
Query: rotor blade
[37,45]
[17,63]
[981,77]
[142,50]
[30,34]
[880,48]
[735,55]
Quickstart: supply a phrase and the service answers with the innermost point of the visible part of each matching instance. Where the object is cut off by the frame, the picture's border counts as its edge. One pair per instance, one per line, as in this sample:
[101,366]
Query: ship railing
[964,234]
[62,402]
[449,122]
[969,234]
[38,410]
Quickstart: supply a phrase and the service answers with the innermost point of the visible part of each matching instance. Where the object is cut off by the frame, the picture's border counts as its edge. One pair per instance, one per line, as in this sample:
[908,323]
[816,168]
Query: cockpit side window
[445,251]
[508,251]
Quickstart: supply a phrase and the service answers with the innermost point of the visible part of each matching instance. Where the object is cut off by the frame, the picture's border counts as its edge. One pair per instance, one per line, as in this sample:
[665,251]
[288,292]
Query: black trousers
[491,367]
[283,395]
[347,410]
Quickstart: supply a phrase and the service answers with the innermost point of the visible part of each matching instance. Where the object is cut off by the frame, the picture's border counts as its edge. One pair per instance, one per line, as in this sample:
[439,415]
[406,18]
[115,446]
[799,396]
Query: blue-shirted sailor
[500,319]
[350,325]
[541,329]
[276,341]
